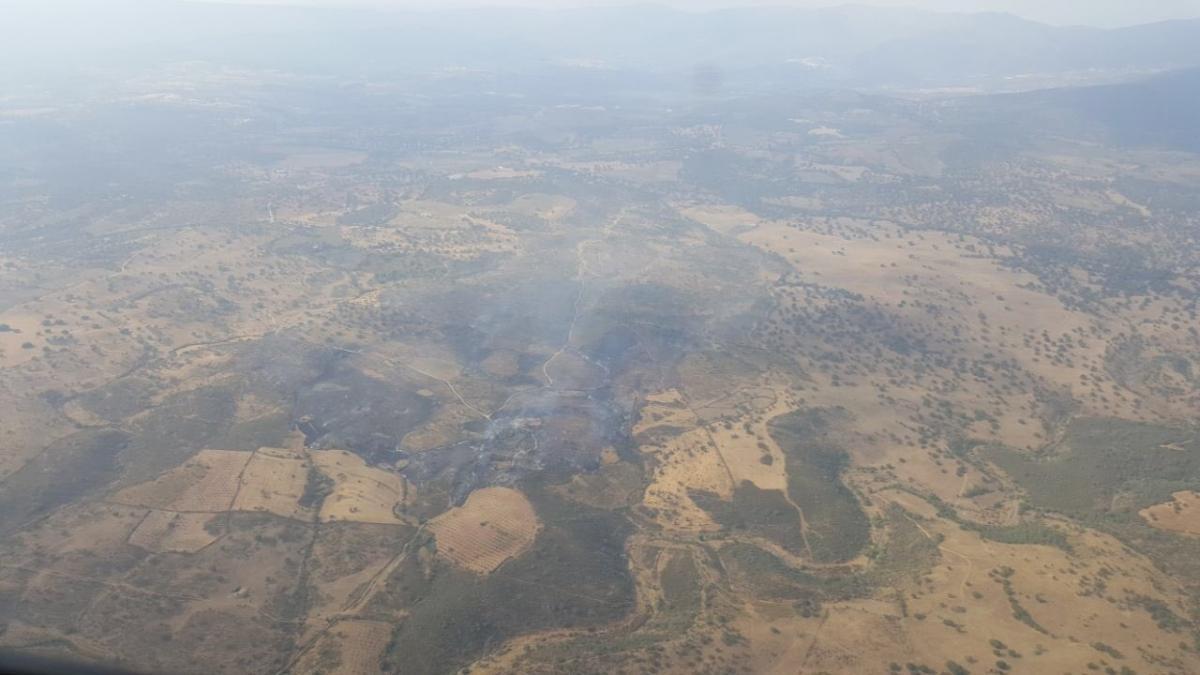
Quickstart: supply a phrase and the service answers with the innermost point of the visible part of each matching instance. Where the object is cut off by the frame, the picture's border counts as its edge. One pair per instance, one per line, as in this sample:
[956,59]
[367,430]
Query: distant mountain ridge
[1163,110]
[1015,47]
[848,45]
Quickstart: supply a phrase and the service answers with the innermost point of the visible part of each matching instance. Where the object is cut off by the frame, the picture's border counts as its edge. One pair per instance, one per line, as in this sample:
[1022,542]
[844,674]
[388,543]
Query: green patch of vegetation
[66,470]
[1106,470]
[681,583]
[766,513]
[375,214]
[1030,532]
[906,554]
[1101,458]
[838,528]
[955,668]
[1024,533]
[575,575]
[1003,576]
[317,487]
[121,398]
[613,486]
[658,435]
[167,435]
[1159,611]
[1175,553]
[765,575]
[269,431]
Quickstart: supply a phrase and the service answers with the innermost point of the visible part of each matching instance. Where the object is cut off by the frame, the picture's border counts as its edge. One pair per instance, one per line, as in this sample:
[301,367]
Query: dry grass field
[360,493]
[208,483]
[170,531]
[684,461]
[1181,514]
[274,480]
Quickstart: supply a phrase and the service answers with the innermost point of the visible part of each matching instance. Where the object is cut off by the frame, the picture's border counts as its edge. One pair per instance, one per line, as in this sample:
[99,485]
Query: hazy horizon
[1100,13]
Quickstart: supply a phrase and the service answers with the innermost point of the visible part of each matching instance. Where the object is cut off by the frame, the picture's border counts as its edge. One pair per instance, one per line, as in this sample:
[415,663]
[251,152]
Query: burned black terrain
[347,409]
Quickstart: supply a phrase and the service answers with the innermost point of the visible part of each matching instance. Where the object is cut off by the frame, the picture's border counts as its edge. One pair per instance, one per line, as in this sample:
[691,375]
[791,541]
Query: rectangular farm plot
[351,646]
[363,645]
[217,486]
[274,484]
[167,531]
[208,483]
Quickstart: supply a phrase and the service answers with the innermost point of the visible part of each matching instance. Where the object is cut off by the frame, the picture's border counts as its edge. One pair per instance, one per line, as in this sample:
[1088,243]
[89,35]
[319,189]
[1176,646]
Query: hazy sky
[1090,12]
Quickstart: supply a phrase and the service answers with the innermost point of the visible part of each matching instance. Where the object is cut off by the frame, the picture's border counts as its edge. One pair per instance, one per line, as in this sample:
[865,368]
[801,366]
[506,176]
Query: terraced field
[492,526]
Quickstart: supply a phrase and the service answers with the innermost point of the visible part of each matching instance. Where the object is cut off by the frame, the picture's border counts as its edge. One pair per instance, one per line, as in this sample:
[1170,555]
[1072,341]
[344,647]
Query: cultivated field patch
[274,481]
[360,493]
[494,525]
[208,482]
[350,647]
[167,531]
